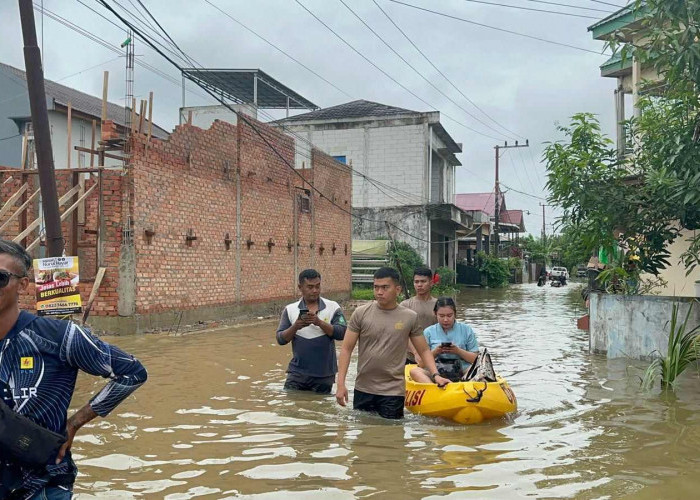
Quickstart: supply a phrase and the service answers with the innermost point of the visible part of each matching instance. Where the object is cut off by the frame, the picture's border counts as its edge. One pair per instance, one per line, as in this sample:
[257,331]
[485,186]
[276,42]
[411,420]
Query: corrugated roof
[82,102]
[482,202]
[350,110]
[250,86]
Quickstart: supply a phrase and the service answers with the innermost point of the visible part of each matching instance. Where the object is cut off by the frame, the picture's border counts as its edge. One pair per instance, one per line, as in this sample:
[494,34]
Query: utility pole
[497,193]
[42,133]
[544,233]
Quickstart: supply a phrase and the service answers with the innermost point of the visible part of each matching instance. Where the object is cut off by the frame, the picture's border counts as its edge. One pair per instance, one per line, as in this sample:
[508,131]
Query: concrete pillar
[636,82]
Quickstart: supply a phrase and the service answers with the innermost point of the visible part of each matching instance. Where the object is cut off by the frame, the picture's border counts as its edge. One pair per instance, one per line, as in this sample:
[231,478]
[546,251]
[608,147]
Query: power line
[388,75]
[571,6]
[523,192]
[531,9]
[427,80]
[87,34]
[440,72]
[372,181]
[611,4]
[277,48]
[532,37]
[245,119]
[10,137]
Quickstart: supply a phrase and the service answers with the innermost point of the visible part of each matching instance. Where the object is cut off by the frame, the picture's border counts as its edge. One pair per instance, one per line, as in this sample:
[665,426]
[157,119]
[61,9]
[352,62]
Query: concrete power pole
[544,233]
[497,193]
[42,132]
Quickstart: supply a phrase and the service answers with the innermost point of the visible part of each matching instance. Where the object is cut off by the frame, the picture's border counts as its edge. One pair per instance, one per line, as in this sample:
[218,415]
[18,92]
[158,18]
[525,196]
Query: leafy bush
[403,256]
[494,269]
[683,350]
[362,292]
[446,286]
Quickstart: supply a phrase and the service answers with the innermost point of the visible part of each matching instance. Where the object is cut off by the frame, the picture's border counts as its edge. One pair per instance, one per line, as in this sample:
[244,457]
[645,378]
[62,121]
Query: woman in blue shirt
[452,343]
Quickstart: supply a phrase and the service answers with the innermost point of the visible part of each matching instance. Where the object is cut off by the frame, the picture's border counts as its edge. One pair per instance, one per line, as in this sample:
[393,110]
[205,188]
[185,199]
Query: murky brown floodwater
[214,422]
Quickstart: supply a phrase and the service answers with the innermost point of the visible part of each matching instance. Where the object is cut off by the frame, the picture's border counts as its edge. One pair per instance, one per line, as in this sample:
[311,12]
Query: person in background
[423,304]
[39,363]
[382,329]
[312,325]
[453,344]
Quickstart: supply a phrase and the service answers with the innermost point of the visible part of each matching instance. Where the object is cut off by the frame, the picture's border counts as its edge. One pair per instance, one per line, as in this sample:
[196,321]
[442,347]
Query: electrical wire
[429,60]
[352,47]
[503,30]
[250,30]
[611,4]
[571,6]
[247,121]
[415,70]
[531,9]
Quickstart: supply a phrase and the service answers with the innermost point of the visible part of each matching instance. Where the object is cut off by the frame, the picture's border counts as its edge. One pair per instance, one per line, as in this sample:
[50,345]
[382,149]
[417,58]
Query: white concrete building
[404,171]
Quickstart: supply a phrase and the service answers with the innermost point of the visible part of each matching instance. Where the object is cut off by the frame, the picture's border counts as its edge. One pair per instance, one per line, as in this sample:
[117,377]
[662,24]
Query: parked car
[559,271]
[581,272]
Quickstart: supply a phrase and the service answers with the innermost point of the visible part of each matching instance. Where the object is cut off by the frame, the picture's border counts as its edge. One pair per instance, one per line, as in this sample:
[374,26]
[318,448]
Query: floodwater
[214,422]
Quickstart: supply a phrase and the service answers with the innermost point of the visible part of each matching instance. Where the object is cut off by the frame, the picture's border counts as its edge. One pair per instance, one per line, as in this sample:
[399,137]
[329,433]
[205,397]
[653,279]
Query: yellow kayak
[463,402]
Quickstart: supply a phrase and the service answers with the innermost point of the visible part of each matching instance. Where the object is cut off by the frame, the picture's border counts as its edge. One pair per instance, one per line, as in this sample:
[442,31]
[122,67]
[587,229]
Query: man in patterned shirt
[39,363]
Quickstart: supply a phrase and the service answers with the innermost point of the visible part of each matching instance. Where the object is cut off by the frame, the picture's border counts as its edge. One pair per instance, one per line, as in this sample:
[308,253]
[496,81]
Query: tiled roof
[349,110]
[82,102]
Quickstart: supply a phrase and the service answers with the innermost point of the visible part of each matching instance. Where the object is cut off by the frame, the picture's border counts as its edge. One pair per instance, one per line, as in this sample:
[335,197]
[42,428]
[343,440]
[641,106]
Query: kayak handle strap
[479,394]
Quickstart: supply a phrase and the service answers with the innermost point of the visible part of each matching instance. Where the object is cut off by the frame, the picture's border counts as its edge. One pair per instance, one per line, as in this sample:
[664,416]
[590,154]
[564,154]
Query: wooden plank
[64,215]
[81,208]
[31,227]
[93,293]
[81,170]
[150,116]
[25,146]
[74,218]
[69,124]
[105,85]
[92,143]
[93,153]
[142,114]
[20,209]
[7,180]
[13,199]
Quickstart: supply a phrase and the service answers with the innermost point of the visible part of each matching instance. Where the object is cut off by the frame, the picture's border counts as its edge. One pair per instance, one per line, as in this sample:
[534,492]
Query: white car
[558,272]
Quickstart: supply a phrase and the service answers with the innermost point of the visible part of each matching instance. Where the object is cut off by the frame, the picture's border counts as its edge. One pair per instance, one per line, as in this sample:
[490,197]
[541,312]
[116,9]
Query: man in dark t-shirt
[312,325]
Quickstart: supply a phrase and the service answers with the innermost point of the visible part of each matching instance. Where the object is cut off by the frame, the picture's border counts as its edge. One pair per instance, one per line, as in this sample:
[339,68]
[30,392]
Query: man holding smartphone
[312,325]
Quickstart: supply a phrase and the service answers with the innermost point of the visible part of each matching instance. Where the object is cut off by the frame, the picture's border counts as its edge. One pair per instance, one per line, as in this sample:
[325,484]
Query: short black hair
[445,302]
[423,271]
[18,253]
[387,272]
[308,274]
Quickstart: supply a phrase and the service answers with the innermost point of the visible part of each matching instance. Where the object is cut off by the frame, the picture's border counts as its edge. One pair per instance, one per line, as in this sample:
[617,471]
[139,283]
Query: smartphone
[302,312]
[446,344]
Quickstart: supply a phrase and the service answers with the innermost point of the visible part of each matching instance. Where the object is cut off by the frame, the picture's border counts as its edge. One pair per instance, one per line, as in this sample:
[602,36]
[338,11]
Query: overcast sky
[525,85]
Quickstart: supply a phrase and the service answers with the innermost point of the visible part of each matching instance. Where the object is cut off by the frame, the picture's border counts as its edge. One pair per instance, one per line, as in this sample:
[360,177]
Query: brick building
[204,225]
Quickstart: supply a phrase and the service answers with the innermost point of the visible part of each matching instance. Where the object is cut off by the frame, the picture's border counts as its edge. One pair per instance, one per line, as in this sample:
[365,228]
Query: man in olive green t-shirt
[423,303]
[382,329]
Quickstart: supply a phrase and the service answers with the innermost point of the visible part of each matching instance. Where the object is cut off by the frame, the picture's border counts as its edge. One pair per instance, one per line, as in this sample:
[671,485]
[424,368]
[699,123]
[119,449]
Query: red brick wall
[106,303]
[188,185]
[181,184]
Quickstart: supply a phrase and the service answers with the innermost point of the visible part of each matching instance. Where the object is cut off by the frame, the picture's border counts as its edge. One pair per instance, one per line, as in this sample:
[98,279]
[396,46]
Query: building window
[304,203]
[342,159]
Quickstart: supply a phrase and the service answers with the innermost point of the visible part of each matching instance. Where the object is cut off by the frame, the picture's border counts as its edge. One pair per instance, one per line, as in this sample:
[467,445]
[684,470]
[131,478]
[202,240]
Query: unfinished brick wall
[106,303]
[187,187]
